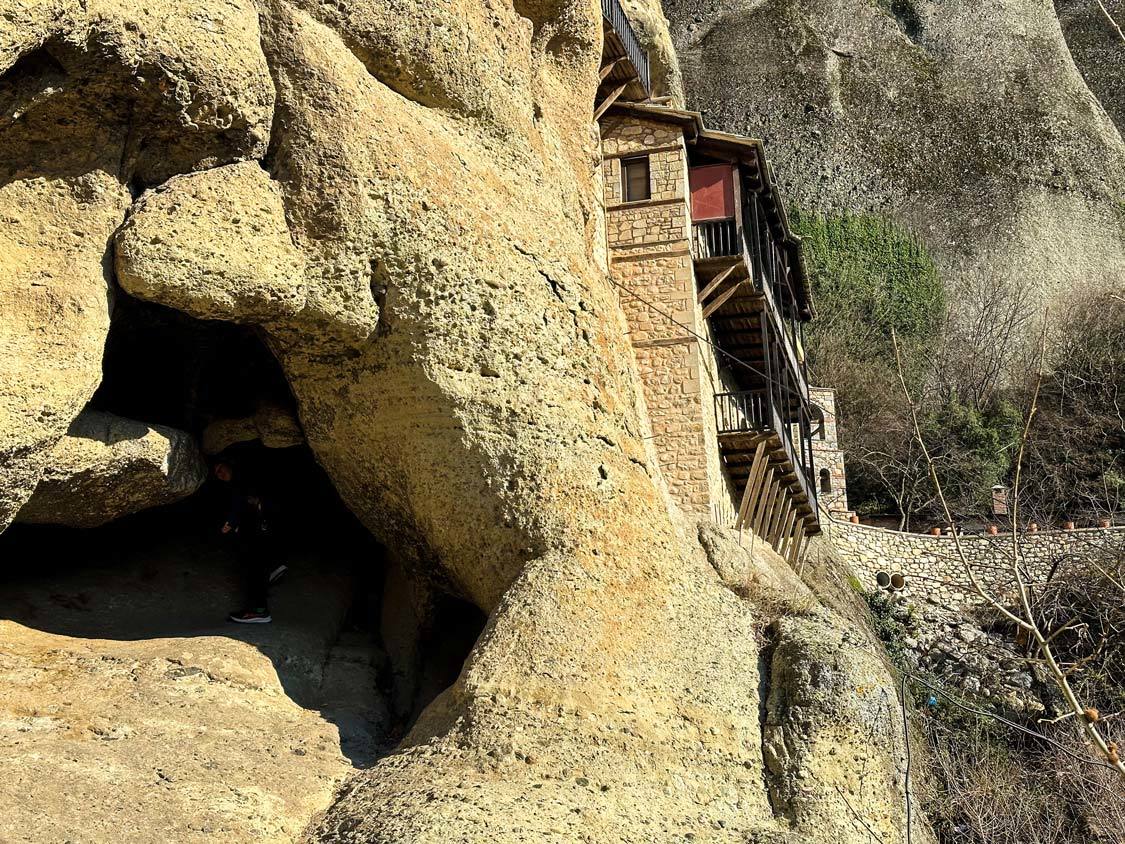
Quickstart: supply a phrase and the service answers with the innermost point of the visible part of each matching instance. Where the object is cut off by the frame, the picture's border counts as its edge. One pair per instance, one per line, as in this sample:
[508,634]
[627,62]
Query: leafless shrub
[987,796]
[1041,640]
[1084,604]
[1095,798]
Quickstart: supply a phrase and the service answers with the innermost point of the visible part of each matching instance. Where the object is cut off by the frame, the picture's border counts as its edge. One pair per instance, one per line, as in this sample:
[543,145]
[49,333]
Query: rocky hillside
[987,130]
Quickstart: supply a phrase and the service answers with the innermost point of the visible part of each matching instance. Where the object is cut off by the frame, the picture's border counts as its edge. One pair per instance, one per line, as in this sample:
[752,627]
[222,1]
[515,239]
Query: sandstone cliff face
[967,123]
[98,98]
[1098,48]
[416,244]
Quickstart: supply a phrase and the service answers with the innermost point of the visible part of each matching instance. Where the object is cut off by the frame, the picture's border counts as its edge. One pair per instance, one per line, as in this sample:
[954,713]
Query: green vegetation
[892,622]
[869,274]
[869,277]
[970,370]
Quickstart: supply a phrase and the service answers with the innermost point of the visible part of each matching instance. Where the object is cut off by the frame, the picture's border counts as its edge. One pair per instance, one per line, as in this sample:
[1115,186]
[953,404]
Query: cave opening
[353,635]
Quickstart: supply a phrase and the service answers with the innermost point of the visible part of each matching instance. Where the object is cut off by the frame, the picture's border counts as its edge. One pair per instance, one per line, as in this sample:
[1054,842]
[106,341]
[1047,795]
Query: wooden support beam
[783,531]
[801,551]
[764,498]
[781,501]
[787,531]
[779,521]
[750,494]
[706,292]
[798,540]
[721,299]
[608,69]
[608,101]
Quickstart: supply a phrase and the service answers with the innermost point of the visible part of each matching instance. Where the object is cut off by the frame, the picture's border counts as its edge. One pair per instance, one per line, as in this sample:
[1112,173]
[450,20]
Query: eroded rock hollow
[399,201]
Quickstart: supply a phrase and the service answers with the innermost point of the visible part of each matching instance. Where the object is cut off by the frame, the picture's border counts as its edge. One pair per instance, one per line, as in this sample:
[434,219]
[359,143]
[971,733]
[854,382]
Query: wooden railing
[745,411]
[615,15]
[753,410]
[754,243]
[716,239]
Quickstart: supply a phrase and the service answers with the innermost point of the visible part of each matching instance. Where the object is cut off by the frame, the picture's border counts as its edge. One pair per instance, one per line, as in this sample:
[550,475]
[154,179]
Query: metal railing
[615,15]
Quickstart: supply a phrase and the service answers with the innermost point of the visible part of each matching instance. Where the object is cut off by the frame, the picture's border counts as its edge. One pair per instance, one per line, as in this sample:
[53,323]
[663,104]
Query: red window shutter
[712,192]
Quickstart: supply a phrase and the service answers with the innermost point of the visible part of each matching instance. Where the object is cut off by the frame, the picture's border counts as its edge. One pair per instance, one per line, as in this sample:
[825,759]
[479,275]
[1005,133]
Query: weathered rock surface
[96,97]
[131,712]
[53,298]
[966,123]
[184,742]
[213,245]
[1098,49]
[107,467]
[273,426]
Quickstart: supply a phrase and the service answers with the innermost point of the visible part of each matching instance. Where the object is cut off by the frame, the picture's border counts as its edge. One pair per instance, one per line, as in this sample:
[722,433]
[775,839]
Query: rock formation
[417,245]
[213,245]
[273,426]
[1093,34]
[967,124]
[97,100]
[107,467]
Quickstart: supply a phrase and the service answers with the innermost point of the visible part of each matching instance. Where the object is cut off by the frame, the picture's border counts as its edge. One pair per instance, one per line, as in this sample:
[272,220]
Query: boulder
[107,467]
[273,426]
[213,245]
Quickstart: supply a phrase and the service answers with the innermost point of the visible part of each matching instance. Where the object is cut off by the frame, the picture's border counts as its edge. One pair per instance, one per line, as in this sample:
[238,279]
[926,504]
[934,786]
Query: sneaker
[251,617]
[278,573]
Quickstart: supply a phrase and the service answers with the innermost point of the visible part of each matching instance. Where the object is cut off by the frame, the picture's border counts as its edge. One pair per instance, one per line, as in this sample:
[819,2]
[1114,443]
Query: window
[816,422]
[634,179]
[825,480]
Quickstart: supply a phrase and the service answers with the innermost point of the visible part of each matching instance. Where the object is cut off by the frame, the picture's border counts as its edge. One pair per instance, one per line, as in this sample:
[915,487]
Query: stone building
[715,291]
[831,478]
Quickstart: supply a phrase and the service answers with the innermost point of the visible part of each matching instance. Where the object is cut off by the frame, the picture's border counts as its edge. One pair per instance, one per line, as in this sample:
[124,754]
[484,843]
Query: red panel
[712,192]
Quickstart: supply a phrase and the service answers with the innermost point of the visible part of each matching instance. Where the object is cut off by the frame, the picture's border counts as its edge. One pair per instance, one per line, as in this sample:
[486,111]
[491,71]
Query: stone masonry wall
[827,454]
[650,254]
[934,571]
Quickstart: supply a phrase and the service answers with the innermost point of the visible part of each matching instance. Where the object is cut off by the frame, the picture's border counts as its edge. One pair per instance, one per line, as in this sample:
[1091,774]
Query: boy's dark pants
[254,558]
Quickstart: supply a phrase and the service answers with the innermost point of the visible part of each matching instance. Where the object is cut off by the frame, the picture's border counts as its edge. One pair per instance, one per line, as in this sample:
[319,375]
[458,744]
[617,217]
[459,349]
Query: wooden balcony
[736,290]
[772,469]
[625,66]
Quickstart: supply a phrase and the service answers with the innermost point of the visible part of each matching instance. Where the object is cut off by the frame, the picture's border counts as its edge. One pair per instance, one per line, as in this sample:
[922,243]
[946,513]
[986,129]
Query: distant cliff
[985,129]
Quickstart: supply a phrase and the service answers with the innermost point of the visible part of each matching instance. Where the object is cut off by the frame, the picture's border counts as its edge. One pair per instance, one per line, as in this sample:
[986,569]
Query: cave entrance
[352,637]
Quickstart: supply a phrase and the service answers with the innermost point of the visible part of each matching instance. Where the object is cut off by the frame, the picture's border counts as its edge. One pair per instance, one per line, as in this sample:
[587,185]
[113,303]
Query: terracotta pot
[935,531]
[853,519]
[993,530]
[1103,523]
[1068,525]
[1033,527]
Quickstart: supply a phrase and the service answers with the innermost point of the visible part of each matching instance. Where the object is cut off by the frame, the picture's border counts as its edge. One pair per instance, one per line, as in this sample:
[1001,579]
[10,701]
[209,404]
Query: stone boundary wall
[933,570]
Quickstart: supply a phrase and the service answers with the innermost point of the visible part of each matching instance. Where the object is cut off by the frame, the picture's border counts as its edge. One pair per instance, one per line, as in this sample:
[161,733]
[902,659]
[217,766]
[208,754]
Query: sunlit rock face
[107,467]
[98,100]
[967,123]
[401,198]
